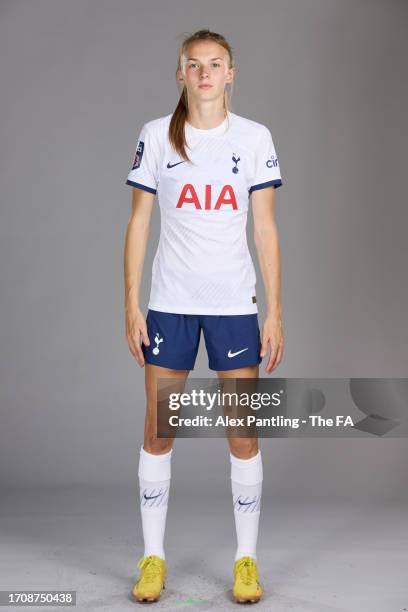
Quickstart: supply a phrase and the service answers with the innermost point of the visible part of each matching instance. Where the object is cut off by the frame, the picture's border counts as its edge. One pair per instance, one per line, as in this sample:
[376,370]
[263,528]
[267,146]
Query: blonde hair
[176,129]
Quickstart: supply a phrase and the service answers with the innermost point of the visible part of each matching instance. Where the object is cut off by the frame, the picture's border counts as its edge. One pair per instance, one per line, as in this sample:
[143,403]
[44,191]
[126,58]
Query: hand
[136,329]
[272,333]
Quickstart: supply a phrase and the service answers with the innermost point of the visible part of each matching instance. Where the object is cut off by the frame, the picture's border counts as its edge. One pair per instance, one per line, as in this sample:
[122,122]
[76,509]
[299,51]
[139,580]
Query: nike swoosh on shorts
[237,353]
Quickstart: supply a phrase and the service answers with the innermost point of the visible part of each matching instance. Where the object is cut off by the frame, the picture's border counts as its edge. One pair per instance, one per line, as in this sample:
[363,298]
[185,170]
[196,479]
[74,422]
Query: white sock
[246,482]
[154,482]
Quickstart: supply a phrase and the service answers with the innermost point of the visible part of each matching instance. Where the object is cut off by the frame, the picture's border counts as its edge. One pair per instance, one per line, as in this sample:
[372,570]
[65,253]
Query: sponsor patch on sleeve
[138,155]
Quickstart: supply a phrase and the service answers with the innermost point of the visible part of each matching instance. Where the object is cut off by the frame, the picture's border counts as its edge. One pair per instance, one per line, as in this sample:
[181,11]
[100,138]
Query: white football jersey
[202,264]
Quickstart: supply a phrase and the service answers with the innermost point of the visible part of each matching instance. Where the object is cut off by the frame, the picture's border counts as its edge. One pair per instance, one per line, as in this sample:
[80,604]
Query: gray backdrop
[78,80]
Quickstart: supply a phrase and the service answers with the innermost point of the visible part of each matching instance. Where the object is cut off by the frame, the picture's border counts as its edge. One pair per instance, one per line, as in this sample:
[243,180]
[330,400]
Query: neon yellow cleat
[247,586]
[151,580]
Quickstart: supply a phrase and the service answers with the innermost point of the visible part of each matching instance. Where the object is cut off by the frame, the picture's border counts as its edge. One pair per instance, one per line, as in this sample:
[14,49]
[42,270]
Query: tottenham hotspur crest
[157,340]
[235,160]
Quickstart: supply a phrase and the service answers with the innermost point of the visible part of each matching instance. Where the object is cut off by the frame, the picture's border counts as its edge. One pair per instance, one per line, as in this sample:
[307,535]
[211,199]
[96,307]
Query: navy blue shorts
[232,341]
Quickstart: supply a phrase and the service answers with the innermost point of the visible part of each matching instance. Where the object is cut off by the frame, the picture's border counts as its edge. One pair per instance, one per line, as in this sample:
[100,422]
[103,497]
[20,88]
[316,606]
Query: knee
[243,448]
[157,446]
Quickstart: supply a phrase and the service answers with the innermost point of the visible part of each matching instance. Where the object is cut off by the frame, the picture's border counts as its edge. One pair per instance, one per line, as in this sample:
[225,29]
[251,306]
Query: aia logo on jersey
[272,162]
[138,155]
[189,196]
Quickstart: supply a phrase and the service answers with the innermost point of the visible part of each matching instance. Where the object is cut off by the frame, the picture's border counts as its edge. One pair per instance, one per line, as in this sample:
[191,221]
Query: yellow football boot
[151,579]
[247,586]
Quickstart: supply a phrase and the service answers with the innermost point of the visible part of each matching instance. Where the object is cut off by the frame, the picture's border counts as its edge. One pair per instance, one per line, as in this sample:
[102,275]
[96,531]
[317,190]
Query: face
[204,70]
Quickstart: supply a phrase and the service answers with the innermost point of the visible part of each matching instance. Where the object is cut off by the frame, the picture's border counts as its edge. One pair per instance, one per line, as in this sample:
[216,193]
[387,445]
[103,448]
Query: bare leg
[153,444]
[243,448]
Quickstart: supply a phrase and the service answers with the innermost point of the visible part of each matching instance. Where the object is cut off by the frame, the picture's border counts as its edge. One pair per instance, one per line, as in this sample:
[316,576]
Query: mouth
[206,86]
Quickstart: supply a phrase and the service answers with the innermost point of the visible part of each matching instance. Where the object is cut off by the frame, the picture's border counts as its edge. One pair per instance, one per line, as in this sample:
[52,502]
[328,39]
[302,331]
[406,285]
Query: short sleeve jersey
[202,264]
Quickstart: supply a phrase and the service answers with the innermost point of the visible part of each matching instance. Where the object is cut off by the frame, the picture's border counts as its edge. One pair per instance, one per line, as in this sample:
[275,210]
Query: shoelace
[246,567]
[151,567]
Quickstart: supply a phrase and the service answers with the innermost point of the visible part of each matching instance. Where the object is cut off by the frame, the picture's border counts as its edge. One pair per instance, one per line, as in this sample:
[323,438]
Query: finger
[264,347]
[139,352]
[129,341]
[279,354]
[145,337]
[272,358]
[275,362]
[132,346]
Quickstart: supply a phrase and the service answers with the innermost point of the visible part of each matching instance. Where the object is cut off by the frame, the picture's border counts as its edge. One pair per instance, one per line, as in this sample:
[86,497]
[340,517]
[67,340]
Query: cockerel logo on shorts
[157,340]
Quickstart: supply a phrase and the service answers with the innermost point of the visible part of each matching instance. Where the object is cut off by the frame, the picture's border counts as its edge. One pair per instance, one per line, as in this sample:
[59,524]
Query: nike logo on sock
[169,165]
[151,496]
[245,503]
[237,353]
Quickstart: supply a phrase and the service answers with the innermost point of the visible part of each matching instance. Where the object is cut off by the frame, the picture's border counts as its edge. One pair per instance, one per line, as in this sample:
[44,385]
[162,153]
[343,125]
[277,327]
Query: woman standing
[204,163]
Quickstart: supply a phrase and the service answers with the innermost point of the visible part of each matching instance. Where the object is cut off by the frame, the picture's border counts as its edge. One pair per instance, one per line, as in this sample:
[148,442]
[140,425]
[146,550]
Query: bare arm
[134,254]
[268,251]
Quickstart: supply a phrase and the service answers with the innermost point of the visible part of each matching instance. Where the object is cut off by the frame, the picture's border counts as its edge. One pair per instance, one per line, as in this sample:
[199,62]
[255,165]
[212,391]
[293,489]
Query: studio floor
[320,556]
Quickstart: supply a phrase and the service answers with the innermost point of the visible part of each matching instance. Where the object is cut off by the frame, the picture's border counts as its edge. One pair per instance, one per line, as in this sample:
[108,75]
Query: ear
[230,75]
[179,75]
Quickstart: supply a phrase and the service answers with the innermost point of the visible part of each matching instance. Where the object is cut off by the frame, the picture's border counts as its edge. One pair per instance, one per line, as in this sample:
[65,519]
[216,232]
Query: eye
[216,64]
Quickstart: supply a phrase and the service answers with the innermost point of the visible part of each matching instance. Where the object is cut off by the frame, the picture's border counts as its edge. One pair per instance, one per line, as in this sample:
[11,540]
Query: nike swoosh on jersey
[237,353]
[151,496]
[169,165]
[245,503]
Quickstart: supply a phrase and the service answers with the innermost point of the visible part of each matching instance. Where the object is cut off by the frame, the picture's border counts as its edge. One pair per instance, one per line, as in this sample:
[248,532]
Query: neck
[205,118]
